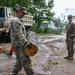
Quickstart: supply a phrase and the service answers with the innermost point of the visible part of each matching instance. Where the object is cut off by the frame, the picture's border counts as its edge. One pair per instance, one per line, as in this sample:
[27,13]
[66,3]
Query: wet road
[49,50]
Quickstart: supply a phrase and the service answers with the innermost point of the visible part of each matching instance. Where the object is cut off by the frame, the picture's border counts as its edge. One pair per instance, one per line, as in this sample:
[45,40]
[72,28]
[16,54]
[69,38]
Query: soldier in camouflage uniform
[70,29]
[18,41]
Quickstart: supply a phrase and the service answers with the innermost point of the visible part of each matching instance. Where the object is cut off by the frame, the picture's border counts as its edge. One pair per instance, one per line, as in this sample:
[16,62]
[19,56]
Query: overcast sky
[61,5]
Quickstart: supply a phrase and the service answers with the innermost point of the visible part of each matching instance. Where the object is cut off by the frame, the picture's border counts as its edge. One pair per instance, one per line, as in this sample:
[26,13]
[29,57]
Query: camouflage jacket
[32,37]
[18,32]
[70,29]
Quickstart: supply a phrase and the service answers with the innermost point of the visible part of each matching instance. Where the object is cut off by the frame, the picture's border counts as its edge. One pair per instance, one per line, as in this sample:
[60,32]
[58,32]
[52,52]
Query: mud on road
[61,66]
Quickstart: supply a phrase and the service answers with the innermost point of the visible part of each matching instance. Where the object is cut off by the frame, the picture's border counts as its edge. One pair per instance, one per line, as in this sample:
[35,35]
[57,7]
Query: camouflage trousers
[22,60]
[70,46]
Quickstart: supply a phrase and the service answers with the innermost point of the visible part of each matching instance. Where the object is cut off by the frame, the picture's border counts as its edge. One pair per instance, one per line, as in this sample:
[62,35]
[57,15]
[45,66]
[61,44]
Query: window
[2,13]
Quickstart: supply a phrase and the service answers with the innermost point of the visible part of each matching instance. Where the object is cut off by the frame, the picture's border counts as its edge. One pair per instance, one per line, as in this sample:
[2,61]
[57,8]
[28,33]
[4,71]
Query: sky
[60,7]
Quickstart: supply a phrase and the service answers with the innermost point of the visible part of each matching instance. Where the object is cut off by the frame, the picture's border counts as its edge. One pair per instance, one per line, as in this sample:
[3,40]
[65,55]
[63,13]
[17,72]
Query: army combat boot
[10,53]
[66,57]
[70,58]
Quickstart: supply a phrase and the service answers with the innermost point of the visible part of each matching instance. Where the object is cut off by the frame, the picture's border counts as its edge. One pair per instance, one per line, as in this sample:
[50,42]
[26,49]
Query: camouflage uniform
[70,29]
[18,40]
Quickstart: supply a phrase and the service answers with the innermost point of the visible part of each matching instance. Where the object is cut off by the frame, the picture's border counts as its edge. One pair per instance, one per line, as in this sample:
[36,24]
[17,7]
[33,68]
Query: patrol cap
[69,16]
[21,9]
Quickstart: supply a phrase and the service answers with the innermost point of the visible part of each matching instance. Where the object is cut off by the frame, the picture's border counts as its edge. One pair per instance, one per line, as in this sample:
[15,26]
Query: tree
[41,11]
[38,8]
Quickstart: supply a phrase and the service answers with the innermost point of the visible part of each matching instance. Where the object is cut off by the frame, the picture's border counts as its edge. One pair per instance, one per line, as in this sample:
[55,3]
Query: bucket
[32,50]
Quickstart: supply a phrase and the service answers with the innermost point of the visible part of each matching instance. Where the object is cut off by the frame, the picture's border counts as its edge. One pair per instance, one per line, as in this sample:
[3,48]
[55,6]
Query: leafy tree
[41,11]
[38,8]
[58,24]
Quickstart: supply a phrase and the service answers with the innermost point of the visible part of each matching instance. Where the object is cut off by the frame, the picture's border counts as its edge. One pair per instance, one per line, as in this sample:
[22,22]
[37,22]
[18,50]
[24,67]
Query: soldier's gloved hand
[72,35]
[28,45]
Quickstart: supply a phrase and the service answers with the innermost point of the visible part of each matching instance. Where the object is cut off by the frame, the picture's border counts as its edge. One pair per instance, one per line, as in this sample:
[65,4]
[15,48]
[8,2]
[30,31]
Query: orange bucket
[31,51]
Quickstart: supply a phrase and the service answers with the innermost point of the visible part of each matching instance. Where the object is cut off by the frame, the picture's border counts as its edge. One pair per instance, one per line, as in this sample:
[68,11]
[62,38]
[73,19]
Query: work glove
[28,45]
[72,35]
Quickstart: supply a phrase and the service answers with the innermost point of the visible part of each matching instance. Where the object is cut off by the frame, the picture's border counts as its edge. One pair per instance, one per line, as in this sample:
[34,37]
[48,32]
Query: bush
[51,31]
[45,30]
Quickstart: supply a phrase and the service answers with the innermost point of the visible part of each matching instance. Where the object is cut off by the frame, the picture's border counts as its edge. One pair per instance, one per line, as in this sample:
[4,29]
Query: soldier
[70,28]
[19,41]
[11,50]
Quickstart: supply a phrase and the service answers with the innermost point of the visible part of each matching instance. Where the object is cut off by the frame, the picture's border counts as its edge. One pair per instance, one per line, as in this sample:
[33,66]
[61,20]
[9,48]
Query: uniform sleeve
[66,27]
[19,33]
[74,30]
[32,37]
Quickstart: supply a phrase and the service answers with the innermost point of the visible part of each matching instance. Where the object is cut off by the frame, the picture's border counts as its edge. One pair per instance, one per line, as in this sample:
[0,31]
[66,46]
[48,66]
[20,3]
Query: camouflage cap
[21,9]
[69,16]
